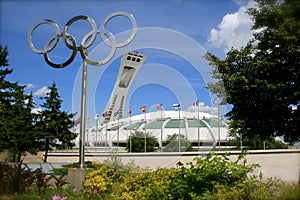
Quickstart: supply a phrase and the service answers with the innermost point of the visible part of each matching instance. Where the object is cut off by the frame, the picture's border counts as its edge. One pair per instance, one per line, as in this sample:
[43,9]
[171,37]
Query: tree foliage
[177,143]
[261,80]
[23,131]
[55,125]
[17,133]
[137,142]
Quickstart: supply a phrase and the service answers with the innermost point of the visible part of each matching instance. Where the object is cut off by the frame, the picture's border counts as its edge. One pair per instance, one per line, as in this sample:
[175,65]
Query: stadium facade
[204,132]
[113,129]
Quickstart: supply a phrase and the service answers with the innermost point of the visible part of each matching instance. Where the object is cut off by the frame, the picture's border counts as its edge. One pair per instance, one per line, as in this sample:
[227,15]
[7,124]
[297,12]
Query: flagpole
[145,139]
[179,143]
[130,144]
[161,131]
[96,129]
[219,126]
[106,141]
[118,136]
[88,132]
[198,125]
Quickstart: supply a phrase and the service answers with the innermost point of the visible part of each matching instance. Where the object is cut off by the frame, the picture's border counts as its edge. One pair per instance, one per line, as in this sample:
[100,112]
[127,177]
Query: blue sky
[173,33]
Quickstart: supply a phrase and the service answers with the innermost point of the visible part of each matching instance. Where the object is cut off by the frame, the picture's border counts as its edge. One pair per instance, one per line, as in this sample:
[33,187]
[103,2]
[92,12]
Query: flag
[159,107]
[196,103]
[129,111]
[104,114]
[116,113]
[143,109]
[77,121]
[176,105]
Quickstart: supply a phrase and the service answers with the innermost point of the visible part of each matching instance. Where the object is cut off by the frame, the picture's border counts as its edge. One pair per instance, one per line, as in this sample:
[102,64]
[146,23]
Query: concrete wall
[282,164]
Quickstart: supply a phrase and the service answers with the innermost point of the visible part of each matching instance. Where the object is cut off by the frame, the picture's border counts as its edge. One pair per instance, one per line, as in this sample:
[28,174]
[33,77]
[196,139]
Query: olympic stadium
[204,132]
[113,129]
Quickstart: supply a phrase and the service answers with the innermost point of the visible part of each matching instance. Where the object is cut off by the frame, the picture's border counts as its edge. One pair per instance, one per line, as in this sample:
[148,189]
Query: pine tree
[7,90]
[17,133]
[55,124]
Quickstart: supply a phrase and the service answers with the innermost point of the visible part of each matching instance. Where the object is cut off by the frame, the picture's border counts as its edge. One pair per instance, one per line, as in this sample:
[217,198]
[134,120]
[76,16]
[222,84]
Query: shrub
[19,179]
[16,178]
[148,185]
[252,189]
[137,141]
[100,181]
[183,182]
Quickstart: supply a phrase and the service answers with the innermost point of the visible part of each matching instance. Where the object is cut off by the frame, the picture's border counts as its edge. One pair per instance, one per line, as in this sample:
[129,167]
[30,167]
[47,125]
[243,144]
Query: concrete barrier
[283,164]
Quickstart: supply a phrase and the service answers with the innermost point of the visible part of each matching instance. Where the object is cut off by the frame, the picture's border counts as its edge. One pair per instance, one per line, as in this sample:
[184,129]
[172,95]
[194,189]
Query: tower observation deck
[130,64]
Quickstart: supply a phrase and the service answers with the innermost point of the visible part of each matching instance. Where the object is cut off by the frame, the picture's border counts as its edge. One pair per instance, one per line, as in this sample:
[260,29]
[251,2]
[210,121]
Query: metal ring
[107,37]
[105,60]
[55,37]
[62,65]
[65,34]
[115,14]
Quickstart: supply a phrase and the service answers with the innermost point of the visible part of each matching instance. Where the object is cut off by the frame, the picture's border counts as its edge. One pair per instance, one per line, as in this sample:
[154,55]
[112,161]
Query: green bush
[16,178]
[137,142]
[99,182]
[20,179]
[148,185]
[183,182]
[253,189]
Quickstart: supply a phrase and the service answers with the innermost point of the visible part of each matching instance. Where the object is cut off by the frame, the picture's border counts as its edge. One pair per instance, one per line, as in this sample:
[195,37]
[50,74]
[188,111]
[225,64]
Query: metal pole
[106,141]
[161,131]
[88,131]
[219,127]
[118,134]
[130,138]
[198,126]
[83,113]
[179,142]
[145,138]
[96,131]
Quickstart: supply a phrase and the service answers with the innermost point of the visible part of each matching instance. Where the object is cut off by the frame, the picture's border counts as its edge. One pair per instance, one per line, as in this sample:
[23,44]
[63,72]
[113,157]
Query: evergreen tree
[7,91]
[55,124]
[261,80]
[17,132]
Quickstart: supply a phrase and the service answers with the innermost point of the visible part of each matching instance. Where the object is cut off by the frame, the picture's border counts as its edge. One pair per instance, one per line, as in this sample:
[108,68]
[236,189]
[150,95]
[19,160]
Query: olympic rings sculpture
[70,42]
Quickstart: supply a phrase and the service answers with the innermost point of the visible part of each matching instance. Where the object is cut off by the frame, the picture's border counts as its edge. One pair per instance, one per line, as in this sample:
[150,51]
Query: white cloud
[42,91]
[29,86]
[36,110]
[234,30]
[204,109]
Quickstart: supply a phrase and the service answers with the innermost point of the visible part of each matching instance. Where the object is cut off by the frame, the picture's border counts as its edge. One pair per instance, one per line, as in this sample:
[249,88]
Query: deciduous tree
[137,142]
[261,80]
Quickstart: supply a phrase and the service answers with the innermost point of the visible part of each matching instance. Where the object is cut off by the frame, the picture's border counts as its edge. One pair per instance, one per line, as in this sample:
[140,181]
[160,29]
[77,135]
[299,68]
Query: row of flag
[143,109]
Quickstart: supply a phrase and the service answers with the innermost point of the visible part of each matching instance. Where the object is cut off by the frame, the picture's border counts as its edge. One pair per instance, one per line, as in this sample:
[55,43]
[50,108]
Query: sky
[174,34]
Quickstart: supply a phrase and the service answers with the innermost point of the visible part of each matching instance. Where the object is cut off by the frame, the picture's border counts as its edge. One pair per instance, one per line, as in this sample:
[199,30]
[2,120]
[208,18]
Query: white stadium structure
[207,131]
[113,129]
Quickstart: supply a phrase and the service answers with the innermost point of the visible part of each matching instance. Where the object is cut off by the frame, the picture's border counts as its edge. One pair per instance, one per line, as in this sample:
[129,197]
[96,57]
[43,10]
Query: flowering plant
[56,197]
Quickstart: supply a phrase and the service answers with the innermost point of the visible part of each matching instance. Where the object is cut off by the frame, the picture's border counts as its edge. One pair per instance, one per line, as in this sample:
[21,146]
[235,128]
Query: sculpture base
[76,177]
